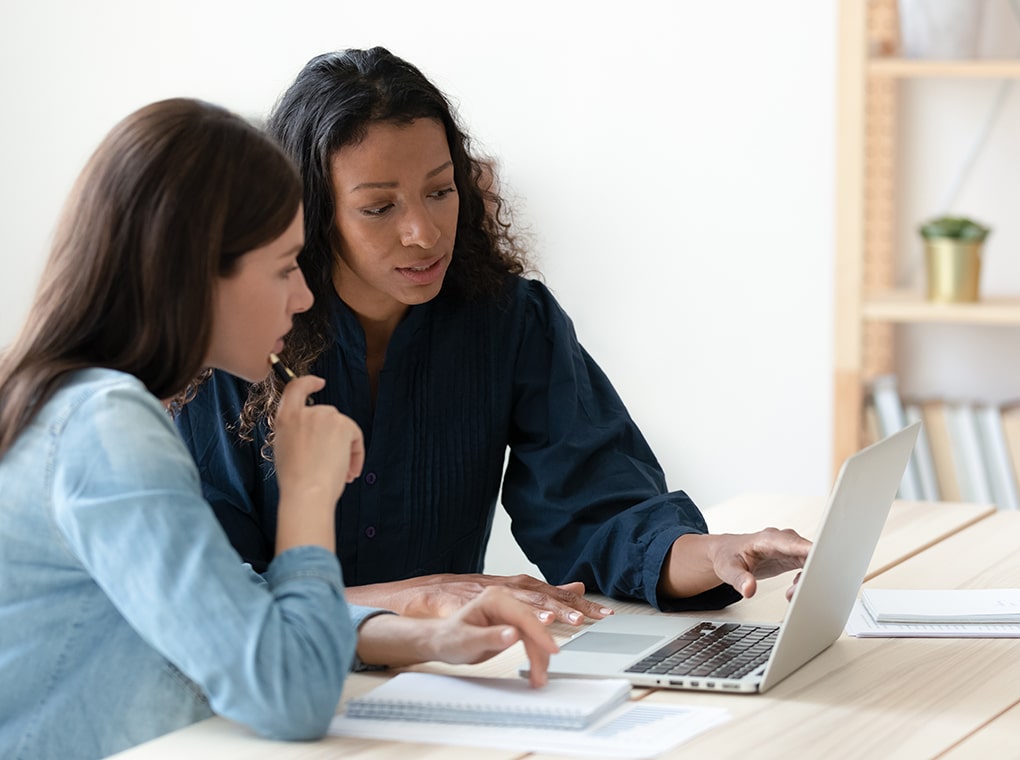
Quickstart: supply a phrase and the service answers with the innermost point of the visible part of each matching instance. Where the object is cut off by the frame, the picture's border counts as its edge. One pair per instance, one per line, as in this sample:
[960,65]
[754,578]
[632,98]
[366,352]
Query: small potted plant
[952,252]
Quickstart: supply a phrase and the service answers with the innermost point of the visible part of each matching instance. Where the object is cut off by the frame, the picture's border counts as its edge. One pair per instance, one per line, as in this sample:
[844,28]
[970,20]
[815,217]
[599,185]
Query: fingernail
[507,635]
[606,611]
[574,617]
[545,616]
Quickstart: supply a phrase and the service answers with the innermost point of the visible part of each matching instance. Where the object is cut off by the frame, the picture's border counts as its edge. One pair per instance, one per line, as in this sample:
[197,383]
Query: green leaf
[954,228]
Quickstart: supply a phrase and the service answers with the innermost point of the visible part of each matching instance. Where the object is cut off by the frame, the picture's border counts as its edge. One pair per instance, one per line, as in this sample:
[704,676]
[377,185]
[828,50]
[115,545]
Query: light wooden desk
[850,701]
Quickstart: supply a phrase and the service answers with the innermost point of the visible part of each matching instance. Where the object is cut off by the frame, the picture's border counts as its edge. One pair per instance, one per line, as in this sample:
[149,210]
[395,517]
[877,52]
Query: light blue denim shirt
[124,611]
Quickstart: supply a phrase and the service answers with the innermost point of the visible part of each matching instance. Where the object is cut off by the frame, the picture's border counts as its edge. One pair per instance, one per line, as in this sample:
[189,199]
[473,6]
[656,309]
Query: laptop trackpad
[613,643]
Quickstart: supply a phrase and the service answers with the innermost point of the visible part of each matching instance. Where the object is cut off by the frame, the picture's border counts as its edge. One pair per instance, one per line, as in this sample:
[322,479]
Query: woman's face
[254,305]
[396,217]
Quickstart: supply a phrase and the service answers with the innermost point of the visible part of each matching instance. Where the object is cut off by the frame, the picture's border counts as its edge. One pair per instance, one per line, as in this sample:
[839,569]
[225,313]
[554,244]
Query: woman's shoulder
[538,294]
[525,308]
[219,393]
[99,384]
[518,297]
[539,306]
[97,398]
[106,426]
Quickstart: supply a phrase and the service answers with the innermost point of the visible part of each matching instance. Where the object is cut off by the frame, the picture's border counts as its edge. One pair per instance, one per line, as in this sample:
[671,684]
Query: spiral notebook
[562,703]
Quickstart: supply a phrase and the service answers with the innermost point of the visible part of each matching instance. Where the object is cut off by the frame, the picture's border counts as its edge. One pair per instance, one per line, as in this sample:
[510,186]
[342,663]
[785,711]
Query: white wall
[673,160]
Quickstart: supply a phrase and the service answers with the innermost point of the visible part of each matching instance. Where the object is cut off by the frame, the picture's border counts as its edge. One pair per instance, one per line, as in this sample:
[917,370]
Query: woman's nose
[302,298]
[419,229]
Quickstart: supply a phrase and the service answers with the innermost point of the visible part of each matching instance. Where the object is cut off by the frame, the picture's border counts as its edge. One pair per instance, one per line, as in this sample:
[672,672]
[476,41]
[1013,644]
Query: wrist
[301,523]
[689,567]
[394,641]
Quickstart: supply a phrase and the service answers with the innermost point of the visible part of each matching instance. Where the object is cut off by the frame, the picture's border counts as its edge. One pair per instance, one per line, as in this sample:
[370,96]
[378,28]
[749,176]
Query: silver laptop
[669,651]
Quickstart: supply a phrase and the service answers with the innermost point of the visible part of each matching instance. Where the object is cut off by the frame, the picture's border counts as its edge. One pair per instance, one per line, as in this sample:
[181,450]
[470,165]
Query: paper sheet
[635,730]
[862,625]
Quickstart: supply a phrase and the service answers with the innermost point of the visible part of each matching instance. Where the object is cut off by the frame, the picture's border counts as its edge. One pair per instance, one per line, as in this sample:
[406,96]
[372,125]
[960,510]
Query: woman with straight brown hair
[124,611]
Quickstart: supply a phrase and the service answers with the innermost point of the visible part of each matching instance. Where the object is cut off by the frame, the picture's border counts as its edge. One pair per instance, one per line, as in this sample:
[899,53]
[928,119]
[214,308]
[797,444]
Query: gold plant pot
[954,269]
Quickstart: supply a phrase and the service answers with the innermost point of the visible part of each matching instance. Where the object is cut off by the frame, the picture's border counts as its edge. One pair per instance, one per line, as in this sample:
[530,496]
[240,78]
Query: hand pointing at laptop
[699,562]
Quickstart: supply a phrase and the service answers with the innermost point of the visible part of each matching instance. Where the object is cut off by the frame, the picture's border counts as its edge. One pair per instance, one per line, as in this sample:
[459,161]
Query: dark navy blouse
[461,384]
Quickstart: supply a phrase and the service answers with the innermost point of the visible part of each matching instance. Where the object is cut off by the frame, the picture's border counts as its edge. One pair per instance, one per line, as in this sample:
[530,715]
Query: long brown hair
[331,104]
[172,198]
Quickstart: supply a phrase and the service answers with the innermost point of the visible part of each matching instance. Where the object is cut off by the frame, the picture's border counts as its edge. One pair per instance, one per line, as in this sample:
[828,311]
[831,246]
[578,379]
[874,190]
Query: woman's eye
[377,210]
[444,192]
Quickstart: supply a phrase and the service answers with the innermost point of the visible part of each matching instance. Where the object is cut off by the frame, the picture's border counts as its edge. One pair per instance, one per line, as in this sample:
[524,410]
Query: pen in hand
[285,374]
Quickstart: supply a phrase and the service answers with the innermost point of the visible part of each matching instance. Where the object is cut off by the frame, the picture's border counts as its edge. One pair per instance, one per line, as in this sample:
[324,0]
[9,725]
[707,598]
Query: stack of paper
[947,613]
[562,703]
[984,605]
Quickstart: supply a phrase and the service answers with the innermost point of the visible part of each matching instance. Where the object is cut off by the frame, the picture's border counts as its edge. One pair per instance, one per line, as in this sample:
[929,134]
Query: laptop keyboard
[713,650]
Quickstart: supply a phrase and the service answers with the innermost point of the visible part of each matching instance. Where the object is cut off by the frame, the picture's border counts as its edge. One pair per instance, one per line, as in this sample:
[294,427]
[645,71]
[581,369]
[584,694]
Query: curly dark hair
[334,100]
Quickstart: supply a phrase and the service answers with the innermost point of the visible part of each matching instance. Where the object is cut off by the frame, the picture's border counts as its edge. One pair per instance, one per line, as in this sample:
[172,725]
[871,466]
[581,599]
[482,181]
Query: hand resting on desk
[441,595]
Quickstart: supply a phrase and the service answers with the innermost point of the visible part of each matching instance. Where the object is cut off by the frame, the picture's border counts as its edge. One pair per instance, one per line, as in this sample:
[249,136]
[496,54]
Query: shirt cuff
[716,598]
[359,615]
[305,562]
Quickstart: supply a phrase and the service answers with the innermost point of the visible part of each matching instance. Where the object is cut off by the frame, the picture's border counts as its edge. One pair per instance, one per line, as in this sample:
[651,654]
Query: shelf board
[910,307]
[908,68]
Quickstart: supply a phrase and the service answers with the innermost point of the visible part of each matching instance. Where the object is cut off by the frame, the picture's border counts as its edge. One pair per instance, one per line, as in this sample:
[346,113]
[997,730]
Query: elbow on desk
[285,683]
[305,717]
[300,729]
[288,703]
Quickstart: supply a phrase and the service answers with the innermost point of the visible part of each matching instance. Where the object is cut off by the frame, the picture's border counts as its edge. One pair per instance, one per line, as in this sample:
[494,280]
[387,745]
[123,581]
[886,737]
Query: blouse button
[370,478]
[370,531]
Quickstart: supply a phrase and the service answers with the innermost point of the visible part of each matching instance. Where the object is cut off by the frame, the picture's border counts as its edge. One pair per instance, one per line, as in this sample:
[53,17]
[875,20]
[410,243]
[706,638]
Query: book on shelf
[571,703]
[891,417]
[871,434]
[1010,415]
[923,457]
[933,411]
[968,456]
[1001,474]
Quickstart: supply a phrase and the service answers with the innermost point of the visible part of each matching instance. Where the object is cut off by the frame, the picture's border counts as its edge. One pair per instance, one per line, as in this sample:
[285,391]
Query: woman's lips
[426,273]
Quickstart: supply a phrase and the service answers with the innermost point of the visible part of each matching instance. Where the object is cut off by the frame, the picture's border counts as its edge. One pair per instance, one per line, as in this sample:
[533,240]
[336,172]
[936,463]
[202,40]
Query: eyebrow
[386,185]
[291,251]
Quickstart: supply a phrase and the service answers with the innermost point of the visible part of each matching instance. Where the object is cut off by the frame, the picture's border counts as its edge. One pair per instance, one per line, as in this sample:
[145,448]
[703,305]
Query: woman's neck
[378,318]
[377,338]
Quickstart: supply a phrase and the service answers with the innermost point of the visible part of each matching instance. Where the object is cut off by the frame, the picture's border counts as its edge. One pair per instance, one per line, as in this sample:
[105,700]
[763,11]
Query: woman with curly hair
[429,334]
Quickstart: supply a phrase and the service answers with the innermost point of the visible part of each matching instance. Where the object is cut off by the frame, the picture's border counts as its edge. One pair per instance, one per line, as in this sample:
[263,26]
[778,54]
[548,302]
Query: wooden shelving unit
[868,305]
[913,69]
[907,307]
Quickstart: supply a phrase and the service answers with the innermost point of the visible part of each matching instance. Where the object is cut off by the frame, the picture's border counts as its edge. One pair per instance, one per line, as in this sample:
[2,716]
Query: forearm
[688,569]
[618,552]
[424,596]
[389,596]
